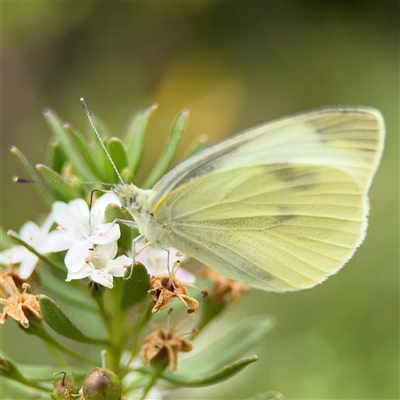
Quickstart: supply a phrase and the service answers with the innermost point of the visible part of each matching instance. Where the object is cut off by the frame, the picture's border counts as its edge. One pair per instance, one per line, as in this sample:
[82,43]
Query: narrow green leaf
[199,144]
[9,369]
[57,320]
[134,289]
[167,157]
[30,171]
[18,390]
[117,152]
[135,135]
[222,374]
[71,151]
[87,151]
[62,191]
[57,156]
[45,373]
[114,212]
[272,395]
[229,347]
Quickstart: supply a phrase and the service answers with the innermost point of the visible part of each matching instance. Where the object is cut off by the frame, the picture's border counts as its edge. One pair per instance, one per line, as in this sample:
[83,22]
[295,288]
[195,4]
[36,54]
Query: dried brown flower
[164,289]
[164,343]
[17,305]
[224,287]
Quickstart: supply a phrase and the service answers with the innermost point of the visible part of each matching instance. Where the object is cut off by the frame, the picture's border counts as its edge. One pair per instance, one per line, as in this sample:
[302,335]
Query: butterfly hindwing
[279,227]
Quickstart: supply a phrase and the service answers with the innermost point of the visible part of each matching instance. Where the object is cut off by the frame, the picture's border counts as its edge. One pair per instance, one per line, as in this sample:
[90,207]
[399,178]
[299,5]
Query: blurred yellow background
[234,65]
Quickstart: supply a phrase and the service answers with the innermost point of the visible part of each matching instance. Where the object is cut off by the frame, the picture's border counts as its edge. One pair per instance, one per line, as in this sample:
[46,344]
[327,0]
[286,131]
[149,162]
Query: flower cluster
[91,243]
[85,257]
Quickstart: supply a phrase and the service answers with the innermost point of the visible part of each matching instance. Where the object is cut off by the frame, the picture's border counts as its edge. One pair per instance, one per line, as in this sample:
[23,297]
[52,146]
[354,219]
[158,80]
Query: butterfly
[279,207]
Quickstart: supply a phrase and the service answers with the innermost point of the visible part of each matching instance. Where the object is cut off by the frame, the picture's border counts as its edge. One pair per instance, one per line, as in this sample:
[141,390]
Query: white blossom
[99,264]
[37,237]
[80,230]
[155,260]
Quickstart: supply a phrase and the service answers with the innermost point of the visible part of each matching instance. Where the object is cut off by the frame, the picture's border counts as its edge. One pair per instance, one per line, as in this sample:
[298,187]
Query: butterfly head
[136,201]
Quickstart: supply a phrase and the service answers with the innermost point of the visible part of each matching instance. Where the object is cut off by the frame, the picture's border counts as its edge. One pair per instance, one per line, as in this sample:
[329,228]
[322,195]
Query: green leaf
[198,145]
[63,191]
[167,157]
[10,370]
[134,289]
[272,395]
[87,151]
[135,137]
[114,212]
[72,152]
[117,152]
[57,156]
[222,374]
[30,171]
[230,346]
[11,389]
[58,321]
[45,373]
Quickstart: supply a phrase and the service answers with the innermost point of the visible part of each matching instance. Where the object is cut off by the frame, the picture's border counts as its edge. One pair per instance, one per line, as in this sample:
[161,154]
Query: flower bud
[63,389]
[102,384]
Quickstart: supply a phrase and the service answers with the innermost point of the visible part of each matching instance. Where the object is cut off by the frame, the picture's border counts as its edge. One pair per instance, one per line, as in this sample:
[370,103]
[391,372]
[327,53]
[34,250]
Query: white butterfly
[279,207]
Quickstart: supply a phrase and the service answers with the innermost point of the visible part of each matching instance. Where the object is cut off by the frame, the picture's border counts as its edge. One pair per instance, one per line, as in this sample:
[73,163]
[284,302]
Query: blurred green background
[234,65]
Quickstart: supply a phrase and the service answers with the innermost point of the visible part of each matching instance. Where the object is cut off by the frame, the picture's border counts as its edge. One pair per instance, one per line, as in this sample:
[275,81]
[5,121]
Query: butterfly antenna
[89,117]
[17,179]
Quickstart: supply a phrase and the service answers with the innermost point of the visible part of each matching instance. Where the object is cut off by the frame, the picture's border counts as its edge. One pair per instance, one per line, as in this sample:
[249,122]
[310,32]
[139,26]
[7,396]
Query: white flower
[99,265]
[155,260]
[79,230]
[37,237]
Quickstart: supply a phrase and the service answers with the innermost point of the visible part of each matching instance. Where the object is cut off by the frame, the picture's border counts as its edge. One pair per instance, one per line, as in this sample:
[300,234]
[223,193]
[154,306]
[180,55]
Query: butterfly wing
[280,207]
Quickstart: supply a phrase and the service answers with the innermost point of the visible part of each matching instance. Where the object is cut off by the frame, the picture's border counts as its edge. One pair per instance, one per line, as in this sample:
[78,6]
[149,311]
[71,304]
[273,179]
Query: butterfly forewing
[347,138]
[279,207]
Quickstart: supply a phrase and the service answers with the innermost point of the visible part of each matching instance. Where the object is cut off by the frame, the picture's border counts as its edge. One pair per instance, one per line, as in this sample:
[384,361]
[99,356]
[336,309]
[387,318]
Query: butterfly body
[279,207]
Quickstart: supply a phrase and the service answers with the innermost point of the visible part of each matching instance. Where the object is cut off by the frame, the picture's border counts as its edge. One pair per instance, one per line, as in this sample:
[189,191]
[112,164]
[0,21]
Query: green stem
[111,322]
[61,360]
[35,385]
[150,384]
[119,335]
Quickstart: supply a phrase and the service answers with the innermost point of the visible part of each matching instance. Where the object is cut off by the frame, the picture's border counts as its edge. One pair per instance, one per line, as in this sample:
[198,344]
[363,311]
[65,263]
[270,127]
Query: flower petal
[28,265]
[14,255]
[84,272]
[97,211]
[106,233]
[103,277]
[76,256]
[57,241]
[118,266]
[104,253]
[29,231]
[72,215]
